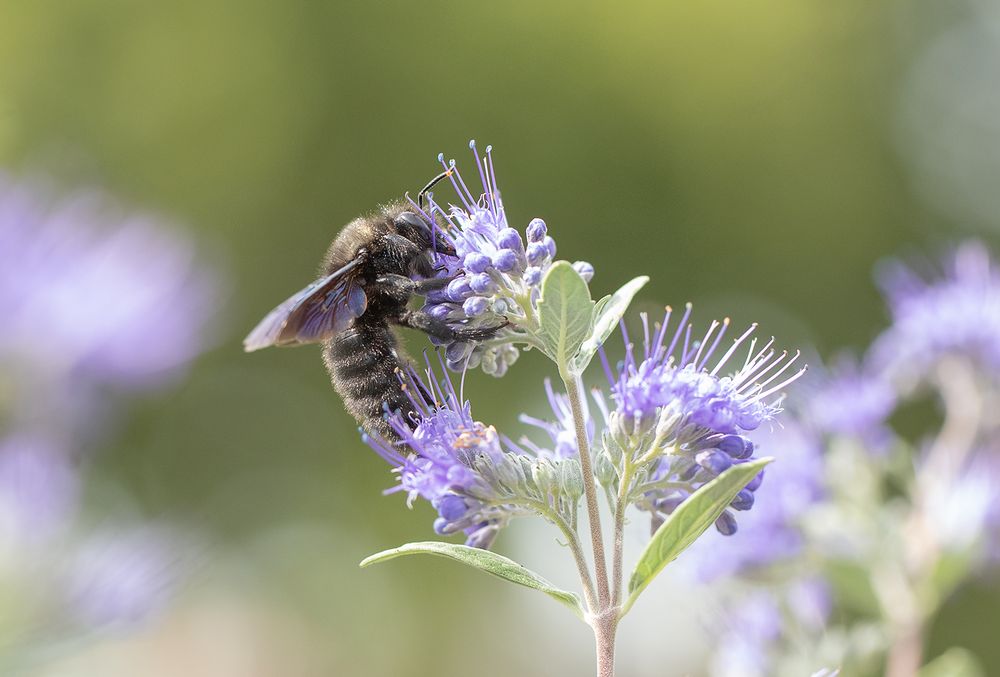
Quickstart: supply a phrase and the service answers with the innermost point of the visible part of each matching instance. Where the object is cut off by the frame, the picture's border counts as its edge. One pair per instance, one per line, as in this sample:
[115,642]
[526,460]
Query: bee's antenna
[433,182]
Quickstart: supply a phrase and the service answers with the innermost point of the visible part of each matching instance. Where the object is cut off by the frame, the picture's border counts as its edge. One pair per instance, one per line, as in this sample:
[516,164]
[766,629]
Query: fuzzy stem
[581,560]
[619,535]
[906,653]
[590,493]
[605,626]
[572,541]
[604,615]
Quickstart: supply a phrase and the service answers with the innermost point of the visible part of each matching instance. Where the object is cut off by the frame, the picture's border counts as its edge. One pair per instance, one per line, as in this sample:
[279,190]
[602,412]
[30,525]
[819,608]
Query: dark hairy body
[365,362]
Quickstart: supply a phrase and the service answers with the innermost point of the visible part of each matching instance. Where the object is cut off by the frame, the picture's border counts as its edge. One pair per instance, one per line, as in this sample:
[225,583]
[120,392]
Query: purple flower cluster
[475,479]
[94,299]
[673,393]
[675,376]
[497,272]
[956,314]
[437,456]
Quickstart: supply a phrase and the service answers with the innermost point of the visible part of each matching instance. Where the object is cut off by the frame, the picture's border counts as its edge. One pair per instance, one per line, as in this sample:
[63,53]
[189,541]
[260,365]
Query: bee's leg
[401,287]
[439,329]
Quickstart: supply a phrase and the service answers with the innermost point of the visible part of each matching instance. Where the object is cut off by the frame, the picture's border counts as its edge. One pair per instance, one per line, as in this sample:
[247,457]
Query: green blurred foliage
[738,153]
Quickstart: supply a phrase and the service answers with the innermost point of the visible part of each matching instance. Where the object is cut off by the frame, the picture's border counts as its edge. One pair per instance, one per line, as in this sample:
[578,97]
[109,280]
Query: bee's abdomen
[363,362]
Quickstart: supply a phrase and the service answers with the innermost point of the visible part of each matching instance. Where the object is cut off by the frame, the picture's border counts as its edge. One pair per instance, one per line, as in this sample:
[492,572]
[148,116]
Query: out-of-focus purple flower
[696,416]
[93,298]
[498,273]
[755,625]
[852,400]
[955,314]
[744,644]
[122,577]
[810,602]
[38,489]
[88,291]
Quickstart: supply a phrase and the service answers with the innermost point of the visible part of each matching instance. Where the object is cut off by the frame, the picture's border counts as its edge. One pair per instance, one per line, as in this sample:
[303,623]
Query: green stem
[574,546]
[589,491]
[605,626]
[621,503]
[603,616]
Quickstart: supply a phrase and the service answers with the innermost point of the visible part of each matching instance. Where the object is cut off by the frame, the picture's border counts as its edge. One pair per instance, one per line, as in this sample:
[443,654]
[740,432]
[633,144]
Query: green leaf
[607,313]
[484,560]
[565,313]
[688,522]
[955,662]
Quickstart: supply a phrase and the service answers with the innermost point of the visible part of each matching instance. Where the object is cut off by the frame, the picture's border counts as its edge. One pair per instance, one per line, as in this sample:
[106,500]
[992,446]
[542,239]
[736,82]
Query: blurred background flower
[759,157]
[100,303]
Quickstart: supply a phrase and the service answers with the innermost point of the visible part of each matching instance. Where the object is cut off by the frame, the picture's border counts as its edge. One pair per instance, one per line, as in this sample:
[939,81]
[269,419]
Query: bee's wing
[313,314]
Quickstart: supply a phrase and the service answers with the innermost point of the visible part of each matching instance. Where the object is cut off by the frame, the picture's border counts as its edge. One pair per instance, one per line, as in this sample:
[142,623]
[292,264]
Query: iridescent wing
[314,314]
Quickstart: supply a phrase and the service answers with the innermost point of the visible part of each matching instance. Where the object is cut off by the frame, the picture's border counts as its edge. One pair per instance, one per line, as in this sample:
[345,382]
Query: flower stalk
[603,617]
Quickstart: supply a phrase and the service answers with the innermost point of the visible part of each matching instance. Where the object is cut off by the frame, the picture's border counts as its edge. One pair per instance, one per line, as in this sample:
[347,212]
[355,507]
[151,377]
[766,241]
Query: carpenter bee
[371,270]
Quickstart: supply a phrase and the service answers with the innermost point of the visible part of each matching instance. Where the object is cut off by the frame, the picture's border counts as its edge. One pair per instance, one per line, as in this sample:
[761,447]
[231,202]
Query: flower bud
[714,461]
[604,470]
[476,262]
[508,238]
[451,507]
[544,476]
[473,360]
[755,482]
[536,230]
[505,260]
[585,270]
[438,311]
[489,363]
[669,504]
[509,354]
[537,253]
[571,478]
[458,289]
[533,276]
[509,476]
[483,537]
[482,283]
[550,246]
[726,524]
[474,306]
[457,351]
[736,446]
[743,501]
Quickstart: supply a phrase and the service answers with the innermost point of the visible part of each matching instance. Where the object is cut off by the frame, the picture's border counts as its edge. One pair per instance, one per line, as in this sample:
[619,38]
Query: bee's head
[416,229]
